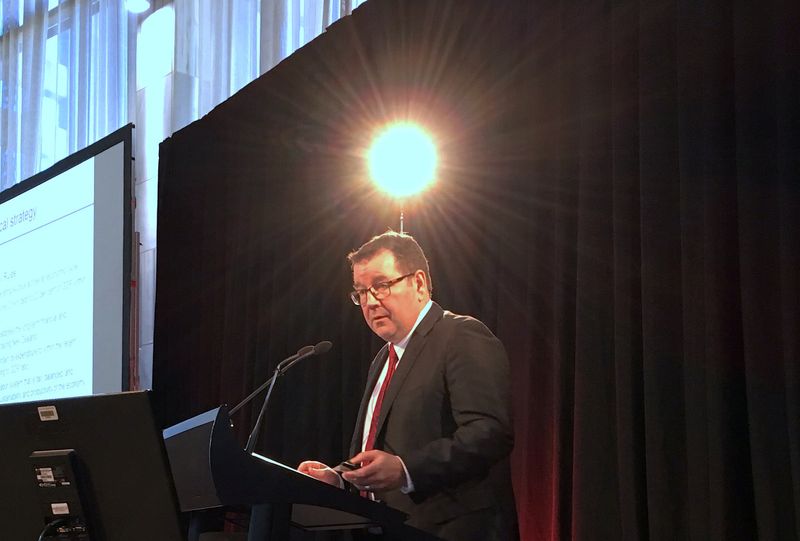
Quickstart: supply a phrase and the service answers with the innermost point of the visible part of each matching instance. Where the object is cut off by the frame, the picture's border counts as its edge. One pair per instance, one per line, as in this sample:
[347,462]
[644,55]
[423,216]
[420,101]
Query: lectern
[211,470]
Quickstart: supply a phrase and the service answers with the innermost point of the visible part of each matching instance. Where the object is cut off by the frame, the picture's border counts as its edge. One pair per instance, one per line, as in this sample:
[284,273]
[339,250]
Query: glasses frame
[380,291]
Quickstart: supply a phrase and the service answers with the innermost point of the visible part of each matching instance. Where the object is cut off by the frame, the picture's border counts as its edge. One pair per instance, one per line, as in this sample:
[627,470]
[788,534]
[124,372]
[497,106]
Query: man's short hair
[407,253]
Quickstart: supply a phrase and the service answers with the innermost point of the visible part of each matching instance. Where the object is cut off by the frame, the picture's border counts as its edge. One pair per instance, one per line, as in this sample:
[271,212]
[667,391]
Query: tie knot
[392,354]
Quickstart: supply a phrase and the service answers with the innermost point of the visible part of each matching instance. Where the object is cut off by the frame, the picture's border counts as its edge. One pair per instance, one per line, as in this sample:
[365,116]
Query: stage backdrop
[618,201]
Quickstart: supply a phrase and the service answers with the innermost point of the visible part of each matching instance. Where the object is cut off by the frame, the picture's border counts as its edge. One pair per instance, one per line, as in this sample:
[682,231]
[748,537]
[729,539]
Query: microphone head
[322,347]
[305,350]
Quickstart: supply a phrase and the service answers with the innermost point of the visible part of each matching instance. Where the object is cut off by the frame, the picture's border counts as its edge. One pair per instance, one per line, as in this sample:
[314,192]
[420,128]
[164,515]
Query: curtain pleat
[81,78]
[30,103]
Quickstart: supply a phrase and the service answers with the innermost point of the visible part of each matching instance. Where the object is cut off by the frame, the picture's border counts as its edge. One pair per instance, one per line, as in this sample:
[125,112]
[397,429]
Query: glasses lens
[354,296]
[381,290]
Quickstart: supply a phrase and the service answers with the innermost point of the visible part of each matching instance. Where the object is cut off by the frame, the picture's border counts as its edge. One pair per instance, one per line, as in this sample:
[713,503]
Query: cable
[50,525]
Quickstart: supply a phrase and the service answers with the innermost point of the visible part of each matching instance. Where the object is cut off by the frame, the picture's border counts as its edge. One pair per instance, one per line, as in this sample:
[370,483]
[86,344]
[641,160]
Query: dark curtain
[619,200]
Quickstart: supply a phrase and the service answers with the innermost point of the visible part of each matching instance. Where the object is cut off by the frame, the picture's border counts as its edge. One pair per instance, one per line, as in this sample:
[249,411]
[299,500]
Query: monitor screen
[125,480]
[65,276]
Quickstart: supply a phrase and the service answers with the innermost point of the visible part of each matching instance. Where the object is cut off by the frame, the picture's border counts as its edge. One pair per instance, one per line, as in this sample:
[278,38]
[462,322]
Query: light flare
[402,160]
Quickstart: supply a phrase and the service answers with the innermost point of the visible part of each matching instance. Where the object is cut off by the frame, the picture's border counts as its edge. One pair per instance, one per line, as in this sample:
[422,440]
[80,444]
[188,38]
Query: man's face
[392,317]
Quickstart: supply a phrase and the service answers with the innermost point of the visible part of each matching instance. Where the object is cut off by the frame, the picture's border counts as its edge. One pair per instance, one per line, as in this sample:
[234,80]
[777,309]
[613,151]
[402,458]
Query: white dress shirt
[400,348]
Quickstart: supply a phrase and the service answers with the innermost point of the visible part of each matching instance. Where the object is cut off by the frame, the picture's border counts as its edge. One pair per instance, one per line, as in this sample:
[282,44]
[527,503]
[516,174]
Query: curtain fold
[674,327]
[64,80]
[216,52]
[768,203]
[21,74]
[29,97]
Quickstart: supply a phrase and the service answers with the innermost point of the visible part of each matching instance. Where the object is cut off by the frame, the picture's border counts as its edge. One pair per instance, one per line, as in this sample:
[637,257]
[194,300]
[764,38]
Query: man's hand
[379,471]
[320,471]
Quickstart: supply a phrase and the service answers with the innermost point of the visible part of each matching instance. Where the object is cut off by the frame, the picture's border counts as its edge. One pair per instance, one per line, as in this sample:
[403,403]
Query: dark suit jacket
[447,414]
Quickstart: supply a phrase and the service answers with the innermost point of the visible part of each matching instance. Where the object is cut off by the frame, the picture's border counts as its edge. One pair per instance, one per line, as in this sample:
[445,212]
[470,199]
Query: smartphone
[346,466]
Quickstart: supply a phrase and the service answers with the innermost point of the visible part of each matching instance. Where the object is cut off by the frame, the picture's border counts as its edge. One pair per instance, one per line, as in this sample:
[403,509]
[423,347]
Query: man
[434,428]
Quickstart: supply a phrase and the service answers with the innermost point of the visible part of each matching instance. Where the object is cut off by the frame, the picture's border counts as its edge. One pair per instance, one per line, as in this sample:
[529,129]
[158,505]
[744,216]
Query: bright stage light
[402,160]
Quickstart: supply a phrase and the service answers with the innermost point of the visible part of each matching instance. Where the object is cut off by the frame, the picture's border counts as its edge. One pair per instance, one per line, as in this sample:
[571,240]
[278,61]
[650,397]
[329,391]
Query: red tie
[376,412]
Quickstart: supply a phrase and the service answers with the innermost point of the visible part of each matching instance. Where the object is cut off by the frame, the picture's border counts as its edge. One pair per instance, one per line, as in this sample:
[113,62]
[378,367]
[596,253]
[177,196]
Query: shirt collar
[400,346]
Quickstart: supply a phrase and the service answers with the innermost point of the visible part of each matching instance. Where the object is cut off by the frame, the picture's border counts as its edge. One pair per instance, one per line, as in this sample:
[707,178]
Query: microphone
[283,366]
[308,351]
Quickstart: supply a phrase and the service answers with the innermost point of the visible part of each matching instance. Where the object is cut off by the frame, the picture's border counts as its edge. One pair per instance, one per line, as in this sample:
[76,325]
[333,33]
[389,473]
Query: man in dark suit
[434,427]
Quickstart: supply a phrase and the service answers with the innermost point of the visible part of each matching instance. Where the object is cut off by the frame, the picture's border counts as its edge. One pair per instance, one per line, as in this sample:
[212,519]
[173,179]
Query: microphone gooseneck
[283,366]
[248,398]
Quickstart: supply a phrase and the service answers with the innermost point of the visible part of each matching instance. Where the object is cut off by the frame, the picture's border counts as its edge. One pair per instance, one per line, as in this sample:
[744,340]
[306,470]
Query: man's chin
[384,329]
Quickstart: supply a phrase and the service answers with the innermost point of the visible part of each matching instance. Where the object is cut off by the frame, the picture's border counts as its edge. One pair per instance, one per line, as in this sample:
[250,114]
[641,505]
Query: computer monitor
[102,455]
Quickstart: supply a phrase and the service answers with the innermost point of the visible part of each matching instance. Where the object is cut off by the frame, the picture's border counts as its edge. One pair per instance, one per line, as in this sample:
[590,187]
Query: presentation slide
[62,287]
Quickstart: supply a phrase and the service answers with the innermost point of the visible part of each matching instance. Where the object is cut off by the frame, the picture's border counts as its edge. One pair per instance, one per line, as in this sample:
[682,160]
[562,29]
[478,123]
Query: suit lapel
[410,356]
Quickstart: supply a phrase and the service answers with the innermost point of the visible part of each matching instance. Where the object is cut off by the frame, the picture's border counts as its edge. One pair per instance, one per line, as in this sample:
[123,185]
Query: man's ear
[420,281]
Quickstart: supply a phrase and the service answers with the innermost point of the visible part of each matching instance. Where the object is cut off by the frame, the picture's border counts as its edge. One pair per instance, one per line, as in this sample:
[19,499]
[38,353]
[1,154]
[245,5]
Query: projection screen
[65,239]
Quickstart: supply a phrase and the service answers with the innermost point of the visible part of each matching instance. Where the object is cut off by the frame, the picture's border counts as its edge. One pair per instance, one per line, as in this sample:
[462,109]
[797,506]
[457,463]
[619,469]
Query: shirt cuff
[408,487]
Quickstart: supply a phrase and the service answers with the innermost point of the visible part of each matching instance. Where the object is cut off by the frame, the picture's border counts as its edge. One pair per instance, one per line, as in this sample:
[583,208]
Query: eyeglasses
[381,290]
